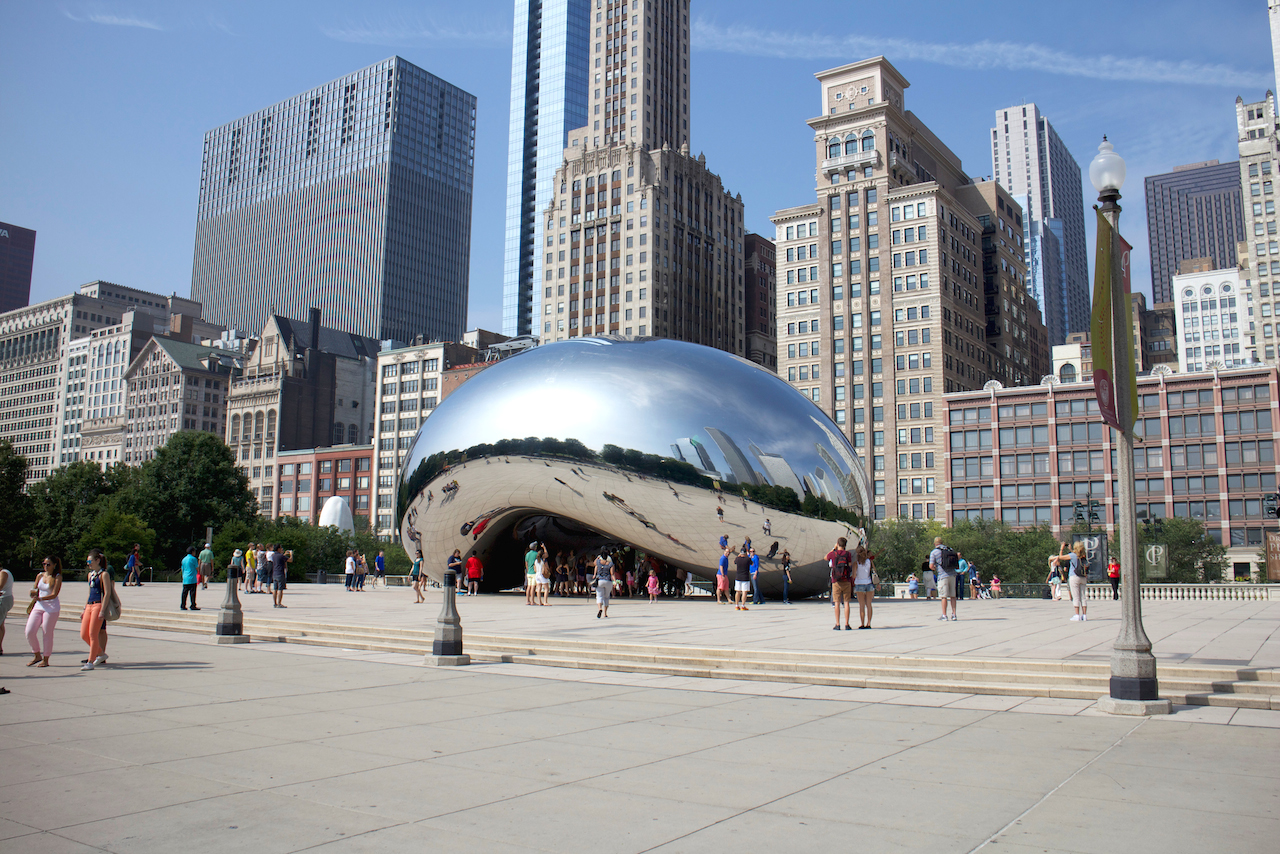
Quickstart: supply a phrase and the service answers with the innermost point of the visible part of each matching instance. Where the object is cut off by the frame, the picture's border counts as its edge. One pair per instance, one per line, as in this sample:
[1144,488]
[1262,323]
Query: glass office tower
[550,61]
[354,197]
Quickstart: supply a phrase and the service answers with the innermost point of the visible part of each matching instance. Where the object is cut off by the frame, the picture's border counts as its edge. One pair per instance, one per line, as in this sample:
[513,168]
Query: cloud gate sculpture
[632,444]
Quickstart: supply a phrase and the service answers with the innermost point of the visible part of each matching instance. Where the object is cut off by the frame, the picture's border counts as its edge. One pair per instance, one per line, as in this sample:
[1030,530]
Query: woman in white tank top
[45,611]
[863,585]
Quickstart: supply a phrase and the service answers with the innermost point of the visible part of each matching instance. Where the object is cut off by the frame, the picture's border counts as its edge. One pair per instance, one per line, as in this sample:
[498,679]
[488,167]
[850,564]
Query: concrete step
[1189,684]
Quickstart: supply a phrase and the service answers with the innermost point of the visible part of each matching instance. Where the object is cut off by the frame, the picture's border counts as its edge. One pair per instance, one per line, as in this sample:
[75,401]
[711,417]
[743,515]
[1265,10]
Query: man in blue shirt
[962,576]
[756,598]
[190,568]
[380,567]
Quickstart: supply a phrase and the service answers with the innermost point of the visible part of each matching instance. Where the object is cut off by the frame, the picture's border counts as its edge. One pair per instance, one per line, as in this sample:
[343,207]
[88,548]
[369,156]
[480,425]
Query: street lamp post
[1134,688]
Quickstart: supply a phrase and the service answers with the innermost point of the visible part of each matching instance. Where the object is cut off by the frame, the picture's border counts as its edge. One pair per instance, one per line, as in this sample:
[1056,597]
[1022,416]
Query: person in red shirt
[1113,575]
[475,572]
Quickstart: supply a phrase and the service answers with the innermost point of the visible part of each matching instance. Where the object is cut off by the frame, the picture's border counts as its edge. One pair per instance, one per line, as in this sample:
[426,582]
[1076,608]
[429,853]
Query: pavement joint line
[837,776]
[991,840]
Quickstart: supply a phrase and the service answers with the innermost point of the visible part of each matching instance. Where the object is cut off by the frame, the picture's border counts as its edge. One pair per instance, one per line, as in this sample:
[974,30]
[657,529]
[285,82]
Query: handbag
[111,610]
[31,605]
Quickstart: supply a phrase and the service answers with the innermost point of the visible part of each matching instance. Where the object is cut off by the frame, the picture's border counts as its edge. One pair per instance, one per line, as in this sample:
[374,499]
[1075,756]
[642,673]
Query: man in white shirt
[350,570]
[271,562]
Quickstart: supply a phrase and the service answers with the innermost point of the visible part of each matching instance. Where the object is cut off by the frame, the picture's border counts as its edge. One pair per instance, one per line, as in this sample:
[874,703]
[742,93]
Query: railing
[861,158]
[1102,590]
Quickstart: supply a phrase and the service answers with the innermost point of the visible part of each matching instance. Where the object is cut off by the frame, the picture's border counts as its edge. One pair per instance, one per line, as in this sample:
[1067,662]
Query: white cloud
[982,55]
[403,31]
[111,20]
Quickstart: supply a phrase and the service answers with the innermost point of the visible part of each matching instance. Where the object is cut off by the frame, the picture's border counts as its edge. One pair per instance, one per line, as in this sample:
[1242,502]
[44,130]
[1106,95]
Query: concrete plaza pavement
[178,743]
[1227,633]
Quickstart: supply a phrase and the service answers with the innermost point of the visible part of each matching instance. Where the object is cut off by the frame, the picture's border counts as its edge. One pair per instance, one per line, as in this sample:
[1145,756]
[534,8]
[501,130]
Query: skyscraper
[902,280]
[17,254]
[1192,212]
[1031,161]
[1259,267]
[353,197]
[549,73]
[641,238]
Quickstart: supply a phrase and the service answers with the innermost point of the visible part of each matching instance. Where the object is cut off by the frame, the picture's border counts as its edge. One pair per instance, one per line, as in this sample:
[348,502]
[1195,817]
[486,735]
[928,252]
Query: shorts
[947,587]
[1078,586]
[840,590]
[263,576]
[722,582]
[6,603]
[864,588]
[278,580]
[742,586]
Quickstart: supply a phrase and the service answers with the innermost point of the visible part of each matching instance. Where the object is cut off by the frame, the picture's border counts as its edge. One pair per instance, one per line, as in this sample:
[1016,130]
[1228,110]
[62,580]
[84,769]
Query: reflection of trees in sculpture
[781,498]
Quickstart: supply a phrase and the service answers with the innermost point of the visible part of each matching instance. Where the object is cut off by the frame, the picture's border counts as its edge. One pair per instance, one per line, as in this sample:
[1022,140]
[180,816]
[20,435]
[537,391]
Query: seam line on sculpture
[1020,816]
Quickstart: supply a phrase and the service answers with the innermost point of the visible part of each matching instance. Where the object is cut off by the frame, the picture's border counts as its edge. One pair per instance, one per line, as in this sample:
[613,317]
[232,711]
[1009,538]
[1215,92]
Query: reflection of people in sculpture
[720,514]
[768,528]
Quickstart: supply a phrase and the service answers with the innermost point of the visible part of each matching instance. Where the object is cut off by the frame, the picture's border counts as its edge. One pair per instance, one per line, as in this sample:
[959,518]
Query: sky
[105,104]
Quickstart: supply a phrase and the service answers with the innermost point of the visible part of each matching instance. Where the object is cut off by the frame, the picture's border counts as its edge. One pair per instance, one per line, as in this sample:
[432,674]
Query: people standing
[720,514]
[530,574]
[913,586]
[380,565]
[190,577]
[841,564]
[962,575]
[604,583]
[44,611]
[543,577]
[1078,582]
[349,570]
[1113,575]
[264,568]
[945,562]
[652,585]
[756,598]
[768,528]
[6,601]
[362,571]
[279,574]
[206,565]
[786,577]
[741,580]
[415,575]
[92,618]
[1056,572]
[864,586]
[722,578]
[250,567]
[475,572]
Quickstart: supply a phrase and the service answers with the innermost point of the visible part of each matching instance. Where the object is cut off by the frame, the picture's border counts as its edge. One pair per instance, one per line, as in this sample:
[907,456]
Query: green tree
[115,533]
[192,482]
[64,506]
[900,545]
[17,505]
[1193,556]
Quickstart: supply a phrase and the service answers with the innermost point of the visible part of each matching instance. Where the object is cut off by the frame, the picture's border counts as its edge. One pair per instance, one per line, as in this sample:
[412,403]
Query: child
[653,586]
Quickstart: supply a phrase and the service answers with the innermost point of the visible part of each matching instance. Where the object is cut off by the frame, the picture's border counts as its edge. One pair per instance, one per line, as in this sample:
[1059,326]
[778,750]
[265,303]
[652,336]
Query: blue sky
[106,103]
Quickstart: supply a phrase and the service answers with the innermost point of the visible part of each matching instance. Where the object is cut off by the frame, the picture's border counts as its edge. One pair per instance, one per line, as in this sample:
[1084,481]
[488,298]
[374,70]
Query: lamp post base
[221,639]
[1113,706]
[448,660]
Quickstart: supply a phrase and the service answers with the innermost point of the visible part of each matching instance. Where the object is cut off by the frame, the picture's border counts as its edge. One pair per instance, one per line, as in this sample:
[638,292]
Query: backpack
[948,560]
[1081,568]
[842,568]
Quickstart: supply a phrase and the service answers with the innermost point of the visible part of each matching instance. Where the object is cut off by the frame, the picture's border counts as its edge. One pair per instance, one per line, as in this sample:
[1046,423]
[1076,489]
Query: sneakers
[944,618]
[1084,618]
[954,617]
[87,666]
[1075,618]
[102,659]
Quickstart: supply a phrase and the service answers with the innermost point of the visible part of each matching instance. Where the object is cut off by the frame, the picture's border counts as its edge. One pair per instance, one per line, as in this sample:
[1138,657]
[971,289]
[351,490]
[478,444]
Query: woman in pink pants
[44,614]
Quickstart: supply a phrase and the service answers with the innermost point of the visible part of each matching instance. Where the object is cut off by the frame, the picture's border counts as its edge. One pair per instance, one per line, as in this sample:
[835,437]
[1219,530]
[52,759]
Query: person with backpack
[841,563]
[945,563]
[1078,581]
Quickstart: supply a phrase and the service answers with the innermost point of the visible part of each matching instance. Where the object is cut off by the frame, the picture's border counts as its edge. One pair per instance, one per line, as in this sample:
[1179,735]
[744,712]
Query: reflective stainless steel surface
[631,442]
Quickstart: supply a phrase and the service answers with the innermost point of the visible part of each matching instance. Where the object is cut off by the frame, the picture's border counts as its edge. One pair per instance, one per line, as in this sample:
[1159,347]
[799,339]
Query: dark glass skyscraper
[550,63]
[354,197]
[1194,211]
[17,253]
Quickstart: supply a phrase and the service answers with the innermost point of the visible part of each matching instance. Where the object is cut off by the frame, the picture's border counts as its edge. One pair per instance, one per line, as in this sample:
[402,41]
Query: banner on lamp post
[1100,328]
[1273,556]
[1130,362]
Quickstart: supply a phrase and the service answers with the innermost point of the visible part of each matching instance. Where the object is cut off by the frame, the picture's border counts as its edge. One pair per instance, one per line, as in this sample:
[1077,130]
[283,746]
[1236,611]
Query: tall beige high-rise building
[882,300]
[1258,302]
[641,239]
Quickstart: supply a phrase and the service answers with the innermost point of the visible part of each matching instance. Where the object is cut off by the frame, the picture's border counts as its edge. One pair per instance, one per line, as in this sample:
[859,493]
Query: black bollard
[230,626]
[446,646]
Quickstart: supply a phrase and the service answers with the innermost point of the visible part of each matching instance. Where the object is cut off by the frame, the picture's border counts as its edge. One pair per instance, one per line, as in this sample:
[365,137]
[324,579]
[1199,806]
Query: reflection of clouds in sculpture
[678,417]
